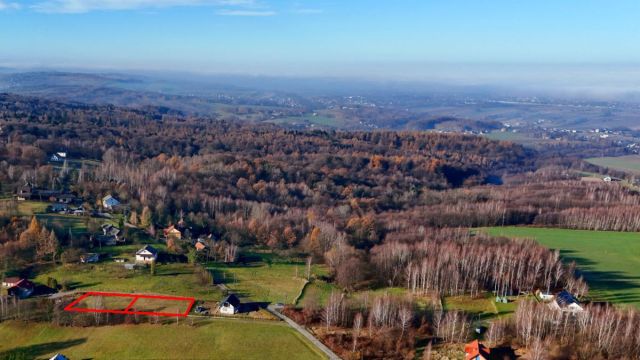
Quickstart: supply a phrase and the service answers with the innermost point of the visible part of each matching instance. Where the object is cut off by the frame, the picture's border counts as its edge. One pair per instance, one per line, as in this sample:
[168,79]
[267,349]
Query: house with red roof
[22,289]
[476,351]
[10,282]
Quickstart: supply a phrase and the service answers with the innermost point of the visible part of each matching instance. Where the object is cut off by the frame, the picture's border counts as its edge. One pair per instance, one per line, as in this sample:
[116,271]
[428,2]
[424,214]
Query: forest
[373,206]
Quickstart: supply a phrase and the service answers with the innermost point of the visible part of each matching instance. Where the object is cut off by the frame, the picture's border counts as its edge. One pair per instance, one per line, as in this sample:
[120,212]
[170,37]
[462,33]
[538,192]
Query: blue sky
[383,38]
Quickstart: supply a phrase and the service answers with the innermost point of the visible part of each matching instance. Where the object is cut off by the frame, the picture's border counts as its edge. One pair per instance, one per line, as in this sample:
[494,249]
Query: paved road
[305,333]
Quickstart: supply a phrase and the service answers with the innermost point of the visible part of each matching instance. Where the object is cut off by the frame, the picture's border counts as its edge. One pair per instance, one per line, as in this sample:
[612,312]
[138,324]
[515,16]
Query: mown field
[213,339]
[265,279]
[609,261]
[170,279]
[629,163]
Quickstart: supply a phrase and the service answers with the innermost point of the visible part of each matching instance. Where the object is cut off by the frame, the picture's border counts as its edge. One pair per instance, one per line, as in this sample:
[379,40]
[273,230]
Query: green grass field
[259,281]
[213,339]
[170,279]
[629,163]
[610,261]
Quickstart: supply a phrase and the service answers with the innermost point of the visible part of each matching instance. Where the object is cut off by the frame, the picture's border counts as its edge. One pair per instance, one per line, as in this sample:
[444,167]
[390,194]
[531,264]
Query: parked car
[201,310]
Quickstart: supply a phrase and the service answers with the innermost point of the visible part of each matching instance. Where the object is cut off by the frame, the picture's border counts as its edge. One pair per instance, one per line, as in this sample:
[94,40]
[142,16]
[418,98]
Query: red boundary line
[135,297]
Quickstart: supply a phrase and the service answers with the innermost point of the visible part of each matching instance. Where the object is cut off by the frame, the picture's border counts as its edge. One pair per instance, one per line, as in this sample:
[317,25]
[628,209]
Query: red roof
[11,280]
[475,349]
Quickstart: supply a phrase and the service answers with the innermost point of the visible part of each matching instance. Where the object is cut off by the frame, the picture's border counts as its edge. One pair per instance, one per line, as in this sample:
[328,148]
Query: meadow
[210,339]
[175,279]
[265,279]
[609,261]
[629,163]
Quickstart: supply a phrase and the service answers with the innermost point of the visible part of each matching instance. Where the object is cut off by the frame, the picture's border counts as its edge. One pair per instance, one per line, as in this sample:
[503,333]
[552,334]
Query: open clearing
[172,279]
[266,278]
[629,163]
[213,339]
[609,261]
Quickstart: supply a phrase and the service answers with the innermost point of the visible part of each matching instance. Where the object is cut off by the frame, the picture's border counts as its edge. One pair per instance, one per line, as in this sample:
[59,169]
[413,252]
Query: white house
[230,305]
[564,301]
[147,255]
[109,202]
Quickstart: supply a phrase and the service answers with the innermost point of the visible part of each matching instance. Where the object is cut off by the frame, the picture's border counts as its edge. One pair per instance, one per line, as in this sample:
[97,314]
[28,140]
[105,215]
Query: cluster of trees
[382,326]
[596,332]
[542,199]
[35,243]
[504,266]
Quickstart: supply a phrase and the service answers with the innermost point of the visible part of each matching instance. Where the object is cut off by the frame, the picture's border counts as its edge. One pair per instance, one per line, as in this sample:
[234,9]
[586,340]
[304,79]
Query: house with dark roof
[147,255]
[110,236]
[230,305]
[59,357]
[64,198]
[476,351]
[565,301]
[22,289]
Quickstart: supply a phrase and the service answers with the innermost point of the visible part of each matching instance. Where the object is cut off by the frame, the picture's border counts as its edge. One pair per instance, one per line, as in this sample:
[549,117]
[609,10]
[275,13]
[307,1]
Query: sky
[399,39]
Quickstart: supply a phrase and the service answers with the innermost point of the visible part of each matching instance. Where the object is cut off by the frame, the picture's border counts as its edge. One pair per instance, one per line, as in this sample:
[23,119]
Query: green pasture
[609,261]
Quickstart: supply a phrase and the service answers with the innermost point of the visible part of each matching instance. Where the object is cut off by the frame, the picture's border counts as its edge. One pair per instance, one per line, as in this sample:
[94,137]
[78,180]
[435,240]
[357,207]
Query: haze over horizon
[575,46]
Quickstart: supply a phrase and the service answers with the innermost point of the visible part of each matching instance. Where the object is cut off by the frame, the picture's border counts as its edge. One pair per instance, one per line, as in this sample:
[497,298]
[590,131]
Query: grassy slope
[261,282]
[170,279]
[625,163]
[216,339]
[610,260]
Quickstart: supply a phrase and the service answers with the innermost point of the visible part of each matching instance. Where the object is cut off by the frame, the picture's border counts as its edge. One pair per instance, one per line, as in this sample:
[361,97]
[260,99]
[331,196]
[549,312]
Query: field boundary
[134,298]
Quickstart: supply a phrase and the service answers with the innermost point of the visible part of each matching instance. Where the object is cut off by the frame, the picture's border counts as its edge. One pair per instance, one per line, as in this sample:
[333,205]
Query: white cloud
[247,13]
[83,6]
[8,5]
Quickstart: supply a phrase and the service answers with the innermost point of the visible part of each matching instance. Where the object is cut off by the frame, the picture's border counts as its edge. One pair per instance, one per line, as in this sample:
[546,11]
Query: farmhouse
[476,351]
[200,245]
[64,198]
[172,232]
[28,192]
[109,202]
[10,282]
[147,255]
[110,236]
[230,305]
[564,301]
[22,289]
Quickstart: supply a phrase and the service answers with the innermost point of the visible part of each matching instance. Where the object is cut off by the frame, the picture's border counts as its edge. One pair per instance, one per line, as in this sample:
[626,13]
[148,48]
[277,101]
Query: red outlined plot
[132,304]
